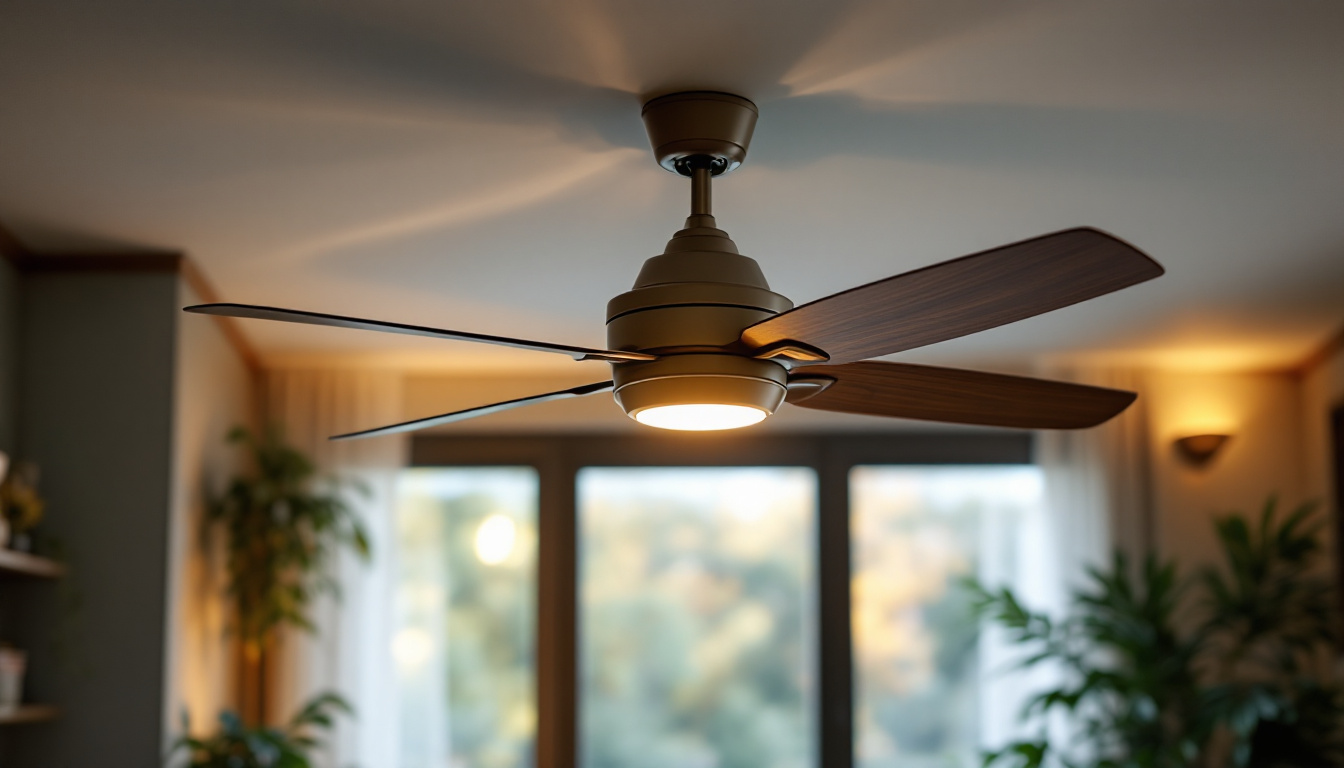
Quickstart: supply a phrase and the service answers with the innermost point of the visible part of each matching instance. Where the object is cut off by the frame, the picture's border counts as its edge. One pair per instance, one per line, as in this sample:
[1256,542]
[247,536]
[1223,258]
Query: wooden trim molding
[27,261]
[1323,353]
[99,262]
[11,249]
[205,290]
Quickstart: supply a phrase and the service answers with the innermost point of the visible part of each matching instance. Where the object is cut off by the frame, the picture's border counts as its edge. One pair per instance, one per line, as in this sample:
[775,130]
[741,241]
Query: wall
[1322,392]
[214,390]
[96,359]
[1265,456]
[124,403]
[9,323]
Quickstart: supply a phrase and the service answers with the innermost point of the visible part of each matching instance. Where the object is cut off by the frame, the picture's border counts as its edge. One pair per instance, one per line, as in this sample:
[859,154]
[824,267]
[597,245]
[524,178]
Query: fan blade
[252,311]
[930,393]
[959,297]
[483,410]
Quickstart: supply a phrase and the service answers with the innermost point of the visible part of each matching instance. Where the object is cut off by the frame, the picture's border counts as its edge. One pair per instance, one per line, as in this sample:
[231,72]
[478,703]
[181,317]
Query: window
[465,610]
[696,602]
[695,593]
[916,533]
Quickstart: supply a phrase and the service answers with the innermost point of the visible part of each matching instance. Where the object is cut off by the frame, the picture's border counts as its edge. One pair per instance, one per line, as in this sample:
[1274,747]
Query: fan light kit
[702,343]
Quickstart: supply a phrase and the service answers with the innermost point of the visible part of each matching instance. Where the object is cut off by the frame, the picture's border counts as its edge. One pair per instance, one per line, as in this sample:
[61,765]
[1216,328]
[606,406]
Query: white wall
[214,390]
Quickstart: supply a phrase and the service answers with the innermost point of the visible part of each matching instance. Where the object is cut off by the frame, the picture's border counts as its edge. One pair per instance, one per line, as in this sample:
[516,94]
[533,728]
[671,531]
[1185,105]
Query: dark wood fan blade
[483,410]
[254,312]
[959,297]
[930,393]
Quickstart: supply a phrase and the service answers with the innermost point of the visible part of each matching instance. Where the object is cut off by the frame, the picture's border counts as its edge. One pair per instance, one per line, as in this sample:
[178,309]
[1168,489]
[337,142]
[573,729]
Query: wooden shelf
[29,713]
[24,564]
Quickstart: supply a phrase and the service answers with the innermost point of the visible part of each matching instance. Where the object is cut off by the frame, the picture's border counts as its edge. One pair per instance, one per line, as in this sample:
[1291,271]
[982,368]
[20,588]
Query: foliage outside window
[695,624]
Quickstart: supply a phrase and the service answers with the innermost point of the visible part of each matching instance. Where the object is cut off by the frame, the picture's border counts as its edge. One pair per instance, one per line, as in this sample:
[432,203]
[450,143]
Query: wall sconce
[1200,449]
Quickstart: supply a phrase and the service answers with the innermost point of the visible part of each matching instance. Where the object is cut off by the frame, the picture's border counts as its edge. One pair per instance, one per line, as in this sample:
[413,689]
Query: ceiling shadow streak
[1016,136]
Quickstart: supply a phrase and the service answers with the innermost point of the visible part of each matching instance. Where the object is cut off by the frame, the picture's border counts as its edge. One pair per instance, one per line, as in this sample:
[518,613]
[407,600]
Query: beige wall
[1265,456]
[214,390]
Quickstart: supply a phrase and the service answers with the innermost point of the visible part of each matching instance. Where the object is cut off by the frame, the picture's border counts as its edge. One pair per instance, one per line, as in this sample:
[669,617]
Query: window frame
[557,459]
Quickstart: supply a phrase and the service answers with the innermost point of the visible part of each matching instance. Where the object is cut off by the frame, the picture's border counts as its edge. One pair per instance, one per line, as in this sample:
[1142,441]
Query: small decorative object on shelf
[13,662]
[21,508]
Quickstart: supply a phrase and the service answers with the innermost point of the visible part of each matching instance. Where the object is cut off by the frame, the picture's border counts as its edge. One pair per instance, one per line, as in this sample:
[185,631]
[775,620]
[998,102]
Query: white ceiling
[482,166]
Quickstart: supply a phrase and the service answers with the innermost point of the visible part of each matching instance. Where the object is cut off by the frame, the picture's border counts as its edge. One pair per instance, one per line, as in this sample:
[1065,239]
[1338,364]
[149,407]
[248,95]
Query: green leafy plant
[1129,679]
[1247,682]
[1270,641]
[238,746]
[283,524]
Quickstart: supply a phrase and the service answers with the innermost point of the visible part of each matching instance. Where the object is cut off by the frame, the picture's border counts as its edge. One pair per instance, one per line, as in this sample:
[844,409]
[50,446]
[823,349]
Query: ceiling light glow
[700,417]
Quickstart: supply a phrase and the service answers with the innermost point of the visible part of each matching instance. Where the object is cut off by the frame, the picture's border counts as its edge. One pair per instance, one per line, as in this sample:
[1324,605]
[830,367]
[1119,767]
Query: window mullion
[835,649]
[557,616]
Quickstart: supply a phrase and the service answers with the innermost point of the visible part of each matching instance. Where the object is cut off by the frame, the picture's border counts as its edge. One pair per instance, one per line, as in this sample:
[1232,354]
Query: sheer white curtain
[1096,499]
[350,652]
[1096,483]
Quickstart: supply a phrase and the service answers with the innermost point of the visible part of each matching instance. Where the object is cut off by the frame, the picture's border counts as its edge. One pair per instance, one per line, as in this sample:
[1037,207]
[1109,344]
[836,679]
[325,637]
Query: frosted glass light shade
[700,417]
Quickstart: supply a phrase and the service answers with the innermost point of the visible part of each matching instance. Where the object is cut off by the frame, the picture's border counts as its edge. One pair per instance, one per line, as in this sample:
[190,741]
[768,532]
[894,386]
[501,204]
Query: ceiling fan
[702,343]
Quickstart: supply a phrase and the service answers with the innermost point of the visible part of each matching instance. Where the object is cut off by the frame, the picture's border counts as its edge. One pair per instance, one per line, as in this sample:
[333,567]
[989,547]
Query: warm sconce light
[1199,449]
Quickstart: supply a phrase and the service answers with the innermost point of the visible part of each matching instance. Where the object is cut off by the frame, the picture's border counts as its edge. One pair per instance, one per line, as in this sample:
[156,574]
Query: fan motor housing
[689,306]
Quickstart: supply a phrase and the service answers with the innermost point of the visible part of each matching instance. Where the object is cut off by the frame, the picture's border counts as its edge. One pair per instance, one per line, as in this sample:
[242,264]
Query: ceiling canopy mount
[700,128]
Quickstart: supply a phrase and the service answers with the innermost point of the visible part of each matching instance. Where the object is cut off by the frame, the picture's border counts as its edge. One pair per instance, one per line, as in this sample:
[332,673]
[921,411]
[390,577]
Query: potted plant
[1251,684]
[236,745]
[283,523]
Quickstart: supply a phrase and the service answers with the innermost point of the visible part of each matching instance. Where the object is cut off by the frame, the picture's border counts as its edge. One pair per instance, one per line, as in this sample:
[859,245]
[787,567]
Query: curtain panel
[349,651]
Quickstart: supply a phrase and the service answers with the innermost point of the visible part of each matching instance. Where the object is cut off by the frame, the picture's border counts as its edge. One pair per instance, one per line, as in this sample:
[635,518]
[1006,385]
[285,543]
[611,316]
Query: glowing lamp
[700,417]
[700,392]
[1200,449]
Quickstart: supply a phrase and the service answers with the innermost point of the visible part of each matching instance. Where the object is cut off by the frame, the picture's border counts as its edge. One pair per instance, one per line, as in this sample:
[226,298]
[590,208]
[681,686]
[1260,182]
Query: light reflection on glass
[695,619]
[494,539]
